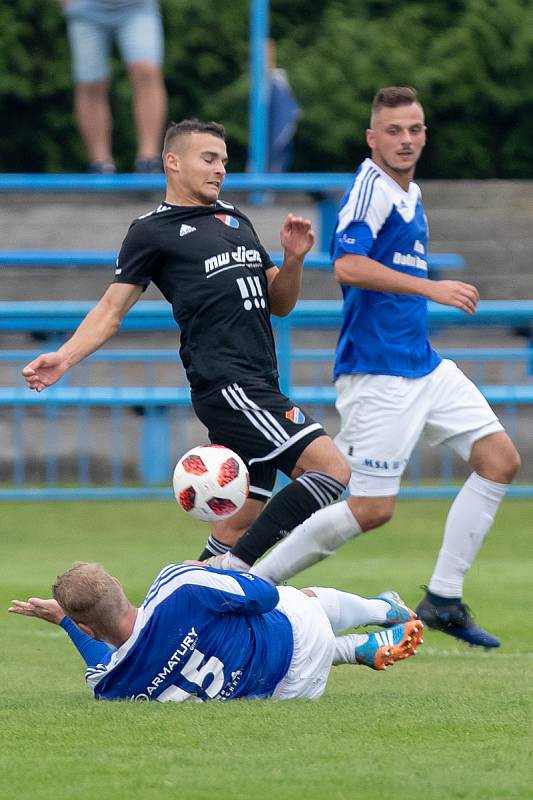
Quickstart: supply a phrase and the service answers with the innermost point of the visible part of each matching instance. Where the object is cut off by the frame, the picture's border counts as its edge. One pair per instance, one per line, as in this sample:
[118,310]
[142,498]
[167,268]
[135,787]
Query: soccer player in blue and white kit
[392,386]
[206,634]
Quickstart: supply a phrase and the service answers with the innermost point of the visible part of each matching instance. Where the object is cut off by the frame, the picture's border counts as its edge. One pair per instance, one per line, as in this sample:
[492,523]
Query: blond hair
[88,594]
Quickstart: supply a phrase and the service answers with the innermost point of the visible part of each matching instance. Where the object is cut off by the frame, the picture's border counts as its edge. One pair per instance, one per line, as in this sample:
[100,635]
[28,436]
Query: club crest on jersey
[228,220]
[295,415]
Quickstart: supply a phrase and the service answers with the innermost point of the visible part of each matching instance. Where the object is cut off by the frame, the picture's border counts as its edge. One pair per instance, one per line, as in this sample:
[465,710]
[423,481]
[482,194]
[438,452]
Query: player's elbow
[346,272]
[281,311]
[282,306]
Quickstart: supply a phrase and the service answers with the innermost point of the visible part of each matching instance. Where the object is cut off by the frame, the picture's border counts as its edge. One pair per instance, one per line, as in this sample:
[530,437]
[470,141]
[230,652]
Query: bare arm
[297,238]
[99,325]
[365,273]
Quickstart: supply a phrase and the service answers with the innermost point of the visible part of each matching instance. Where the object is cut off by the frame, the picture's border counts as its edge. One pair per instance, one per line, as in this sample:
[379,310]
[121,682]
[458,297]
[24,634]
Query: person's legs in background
[140,40]
[90,45]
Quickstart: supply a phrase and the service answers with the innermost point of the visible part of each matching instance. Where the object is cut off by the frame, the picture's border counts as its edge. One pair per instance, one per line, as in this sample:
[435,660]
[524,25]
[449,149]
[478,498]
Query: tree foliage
[471,61]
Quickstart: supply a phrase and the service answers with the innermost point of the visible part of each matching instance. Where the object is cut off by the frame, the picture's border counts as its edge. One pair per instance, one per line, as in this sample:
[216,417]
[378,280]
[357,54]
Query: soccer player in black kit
[205,257]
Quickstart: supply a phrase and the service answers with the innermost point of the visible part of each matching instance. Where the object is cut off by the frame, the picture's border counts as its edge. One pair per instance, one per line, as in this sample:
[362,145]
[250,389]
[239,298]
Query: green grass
[451,723]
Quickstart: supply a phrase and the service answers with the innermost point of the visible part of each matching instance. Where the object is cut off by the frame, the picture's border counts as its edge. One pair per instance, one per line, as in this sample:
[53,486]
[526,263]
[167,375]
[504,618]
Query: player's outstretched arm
[365,273]
[297,238]
[99,325]
[47,610]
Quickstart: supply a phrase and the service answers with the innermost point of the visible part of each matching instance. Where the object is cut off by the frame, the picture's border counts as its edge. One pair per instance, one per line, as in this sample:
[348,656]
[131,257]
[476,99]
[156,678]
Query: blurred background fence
[116,424]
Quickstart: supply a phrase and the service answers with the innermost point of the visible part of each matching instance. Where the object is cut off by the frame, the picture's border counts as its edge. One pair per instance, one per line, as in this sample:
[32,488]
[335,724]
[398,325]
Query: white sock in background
[345,610]
[319,536]
[468,522]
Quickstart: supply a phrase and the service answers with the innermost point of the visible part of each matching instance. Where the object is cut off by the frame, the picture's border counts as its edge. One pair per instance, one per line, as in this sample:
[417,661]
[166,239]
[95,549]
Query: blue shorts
[93,25]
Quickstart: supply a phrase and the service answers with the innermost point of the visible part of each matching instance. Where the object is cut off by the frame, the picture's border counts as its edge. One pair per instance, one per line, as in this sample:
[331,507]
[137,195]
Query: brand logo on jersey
[295,415]
[407,260]
[185,229]
[228,220]
[235,258]
[418,247]
[348,239]
[231,686]
[187,645]
[251,292]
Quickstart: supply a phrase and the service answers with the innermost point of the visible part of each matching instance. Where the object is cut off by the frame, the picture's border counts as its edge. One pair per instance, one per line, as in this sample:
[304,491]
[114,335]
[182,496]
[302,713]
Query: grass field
[450,723]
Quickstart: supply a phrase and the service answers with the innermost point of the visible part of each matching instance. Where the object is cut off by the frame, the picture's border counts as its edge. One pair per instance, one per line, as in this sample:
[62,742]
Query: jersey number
[196,672]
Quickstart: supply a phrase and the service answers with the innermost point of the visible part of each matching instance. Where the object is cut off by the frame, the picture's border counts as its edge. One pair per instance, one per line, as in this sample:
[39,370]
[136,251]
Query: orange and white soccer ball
[211,482]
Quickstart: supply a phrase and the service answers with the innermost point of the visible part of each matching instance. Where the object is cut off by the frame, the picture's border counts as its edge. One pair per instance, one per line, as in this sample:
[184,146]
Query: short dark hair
[187,126]
[392,97]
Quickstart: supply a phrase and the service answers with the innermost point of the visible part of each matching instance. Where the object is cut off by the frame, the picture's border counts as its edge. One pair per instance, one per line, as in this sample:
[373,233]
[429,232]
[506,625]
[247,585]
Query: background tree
[471,61]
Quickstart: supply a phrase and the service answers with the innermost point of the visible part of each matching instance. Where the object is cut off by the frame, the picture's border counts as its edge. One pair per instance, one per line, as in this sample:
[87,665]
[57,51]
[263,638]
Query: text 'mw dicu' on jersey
[383,333]
[209,264]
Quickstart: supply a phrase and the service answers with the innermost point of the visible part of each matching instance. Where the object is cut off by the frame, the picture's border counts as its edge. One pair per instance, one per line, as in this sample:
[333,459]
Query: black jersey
[209,264]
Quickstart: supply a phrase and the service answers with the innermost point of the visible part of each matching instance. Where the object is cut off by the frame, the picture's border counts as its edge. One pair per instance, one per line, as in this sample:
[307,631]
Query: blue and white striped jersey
[201,633]
[383,333]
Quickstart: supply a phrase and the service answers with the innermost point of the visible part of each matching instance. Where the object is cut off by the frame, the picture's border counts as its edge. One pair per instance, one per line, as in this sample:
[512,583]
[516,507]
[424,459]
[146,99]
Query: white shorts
[314,646]
[383,417]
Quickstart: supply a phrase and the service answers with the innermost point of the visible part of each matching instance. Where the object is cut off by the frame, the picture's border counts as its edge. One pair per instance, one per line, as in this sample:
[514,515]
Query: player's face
[396,139]
[197,169]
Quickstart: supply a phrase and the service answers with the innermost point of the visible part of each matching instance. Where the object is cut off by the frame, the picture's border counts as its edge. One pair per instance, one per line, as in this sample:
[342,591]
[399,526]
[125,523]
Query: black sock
[439,601]
[213,547]
[287,509]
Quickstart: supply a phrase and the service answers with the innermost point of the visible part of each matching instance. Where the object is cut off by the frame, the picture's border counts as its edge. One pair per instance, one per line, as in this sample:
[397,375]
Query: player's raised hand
[48,610]
[296,236]
[44,370]
[455,293]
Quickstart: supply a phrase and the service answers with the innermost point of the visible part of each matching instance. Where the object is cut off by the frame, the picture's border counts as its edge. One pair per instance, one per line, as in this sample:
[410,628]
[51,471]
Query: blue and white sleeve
[222,591]
[360,220]
[91,650]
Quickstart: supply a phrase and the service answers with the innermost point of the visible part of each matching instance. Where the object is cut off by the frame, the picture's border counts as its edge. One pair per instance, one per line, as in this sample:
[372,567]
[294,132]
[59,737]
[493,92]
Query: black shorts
[262,425]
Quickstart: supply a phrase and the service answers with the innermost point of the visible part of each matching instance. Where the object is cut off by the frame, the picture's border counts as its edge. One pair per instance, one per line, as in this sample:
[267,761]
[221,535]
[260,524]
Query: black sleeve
[265,258]
[138,257]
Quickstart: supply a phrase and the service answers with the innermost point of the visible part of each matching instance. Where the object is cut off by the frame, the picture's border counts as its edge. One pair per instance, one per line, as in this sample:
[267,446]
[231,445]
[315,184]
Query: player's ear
[172,162]
[370,137]
[86,629]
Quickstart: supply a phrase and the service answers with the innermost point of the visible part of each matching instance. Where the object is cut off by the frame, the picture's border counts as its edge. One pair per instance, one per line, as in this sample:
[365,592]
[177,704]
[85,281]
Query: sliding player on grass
[207,634]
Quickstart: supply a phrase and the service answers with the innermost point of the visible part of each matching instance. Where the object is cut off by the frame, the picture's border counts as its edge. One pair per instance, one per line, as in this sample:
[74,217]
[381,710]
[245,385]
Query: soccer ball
[211,482]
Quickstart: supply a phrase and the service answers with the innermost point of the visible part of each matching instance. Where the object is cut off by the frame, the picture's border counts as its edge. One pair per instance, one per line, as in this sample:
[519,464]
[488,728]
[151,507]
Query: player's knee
[338,467]
[500,463]
[144,72]
[510,466]
[92,91]
[372,512]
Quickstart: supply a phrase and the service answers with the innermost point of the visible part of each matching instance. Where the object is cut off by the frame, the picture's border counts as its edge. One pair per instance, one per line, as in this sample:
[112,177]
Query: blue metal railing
[106,258]
[130,182]
[164,410]
[52,315]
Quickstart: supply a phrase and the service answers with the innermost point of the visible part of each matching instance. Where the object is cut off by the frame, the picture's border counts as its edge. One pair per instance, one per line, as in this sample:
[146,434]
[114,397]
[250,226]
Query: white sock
[468,522]
[346,610]
[345,647]
[229,561]
[319,536]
